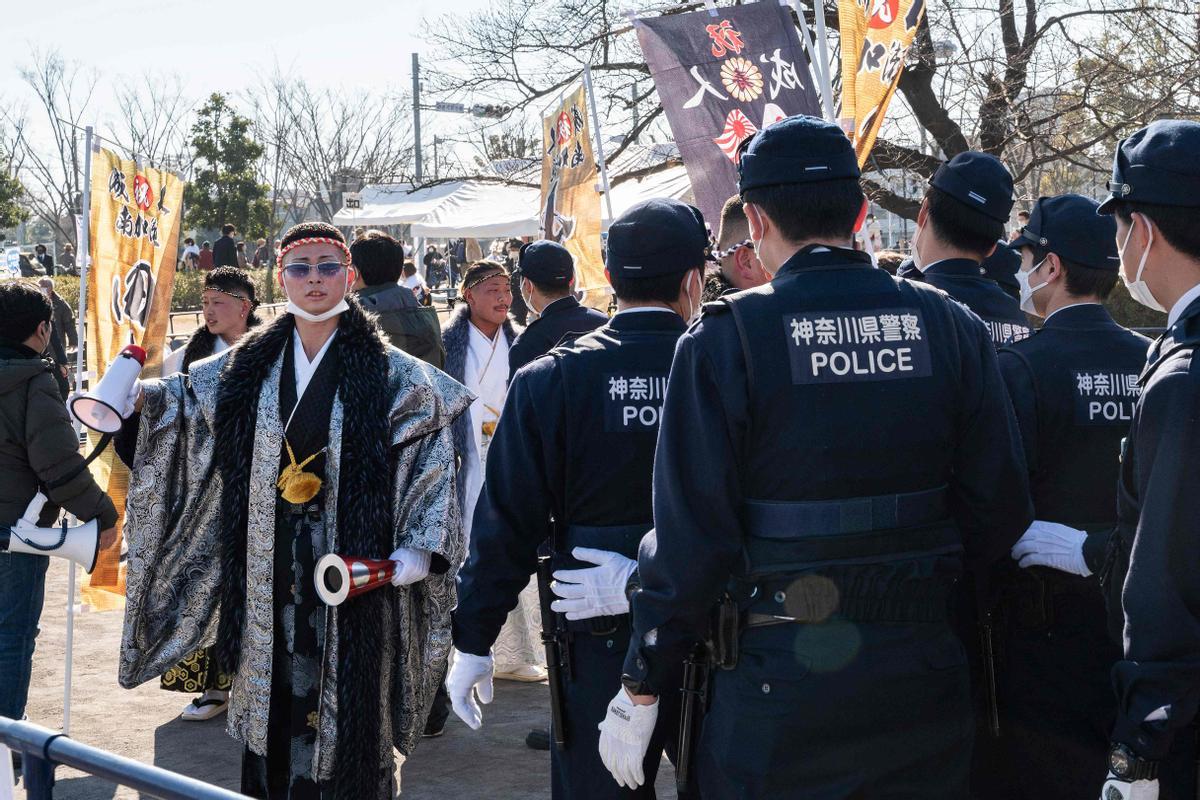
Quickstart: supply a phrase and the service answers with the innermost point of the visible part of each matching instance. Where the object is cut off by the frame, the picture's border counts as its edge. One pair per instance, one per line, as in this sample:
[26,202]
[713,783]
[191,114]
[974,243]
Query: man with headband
[310,436]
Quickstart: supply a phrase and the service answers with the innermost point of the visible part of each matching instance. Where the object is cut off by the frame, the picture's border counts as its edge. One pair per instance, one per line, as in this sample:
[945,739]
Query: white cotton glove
[625,737]
[470,675]
[597,591]
[131,399]
[1049,544]
[1117,789]
[412,565]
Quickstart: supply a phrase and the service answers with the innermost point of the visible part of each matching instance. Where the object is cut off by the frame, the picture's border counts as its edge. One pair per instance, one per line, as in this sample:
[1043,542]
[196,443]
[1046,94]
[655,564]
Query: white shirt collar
[220,345]
[642,308]
[1182,303]
[305,369]
[1072,305]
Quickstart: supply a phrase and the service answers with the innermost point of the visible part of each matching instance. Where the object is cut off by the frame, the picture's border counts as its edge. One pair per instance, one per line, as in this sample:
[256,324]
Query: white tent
[482,211]
[671,182]
[394,204]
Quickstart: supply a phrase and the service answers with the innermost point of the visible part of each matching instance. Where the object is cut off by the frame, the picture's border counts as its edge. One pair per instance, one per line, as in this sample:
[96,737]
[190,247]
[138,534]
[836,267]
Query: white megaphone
[100,409]
[80,544]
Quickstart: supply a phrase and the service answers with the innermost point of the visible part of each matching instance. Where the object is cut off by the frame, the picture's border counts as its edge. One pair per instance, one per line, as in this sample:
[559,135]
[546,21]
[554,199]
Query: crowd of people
[826,529]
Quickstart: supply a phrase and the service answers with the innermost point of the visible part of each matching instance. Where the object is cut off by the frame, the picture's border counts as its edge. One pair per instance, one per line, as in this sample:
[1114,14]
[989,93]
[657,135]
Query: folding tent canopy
[394,204]
[671,182]
[482,211]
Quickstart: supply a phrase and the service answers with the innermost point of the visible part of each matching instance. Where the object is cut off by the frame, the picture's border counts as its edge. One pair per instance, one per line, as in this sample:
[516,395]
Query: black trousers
[577,773]
[840,710]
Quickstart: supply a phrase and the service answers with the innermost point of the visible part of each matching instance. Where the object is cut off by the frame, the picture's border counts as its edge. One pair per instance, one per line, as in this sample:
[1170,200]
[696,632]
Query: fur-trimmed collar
[363,517]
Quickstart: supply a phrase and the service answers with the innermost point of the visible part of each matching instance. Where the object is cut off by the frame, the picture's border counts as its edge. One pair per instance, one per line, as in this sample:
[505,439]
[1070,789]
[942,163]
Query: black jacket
[563,319]
[406,323]
[225,252]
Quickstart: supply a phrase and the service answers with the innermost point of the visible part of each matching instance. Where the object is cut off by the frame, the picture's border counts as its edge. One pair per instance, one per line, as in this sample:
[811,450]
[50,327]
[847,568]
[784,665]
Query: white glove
[597,591]
[1049,544]
[1117,789]
[131,399]
[412,565]
[625,737]
[470,675]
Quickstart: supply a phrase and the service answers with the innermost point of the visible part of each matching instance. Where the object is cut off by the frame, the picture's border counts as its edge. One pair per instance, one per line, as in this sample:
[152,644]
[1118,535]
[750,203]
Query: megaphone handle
[34,510]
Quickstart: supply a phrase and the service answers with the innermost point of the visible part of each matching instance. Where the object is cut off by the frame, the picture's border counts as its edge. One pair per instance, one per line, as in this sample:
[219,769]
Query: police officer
[837,529]
[571,460]
[1154,195]
[964,212]
[1001,266]
[1073,385]
[546,277]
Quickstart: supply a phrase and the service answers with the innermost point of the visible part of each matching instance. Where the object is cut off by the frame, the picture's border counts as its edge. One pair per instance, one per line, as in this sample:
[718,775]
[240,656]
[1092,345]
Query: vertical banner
[721,79]
[570,202]
[876,36]
[134,231]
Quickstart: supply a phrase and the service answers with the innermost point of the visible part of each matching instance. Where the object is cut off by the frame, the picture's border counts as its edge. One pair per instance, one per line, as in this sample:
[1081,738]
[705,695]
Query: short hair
[514,242]
[961,227]
[1023,213]
[378,258]
[1081,280]
[804,211]
[889,260]
[311,230]
[551,289]
[733,218]
[657,289]
[189,240]
[206,244]
[477,270]
[232,279]
[227,229]
[1177,223]
[22,309]
[409,269]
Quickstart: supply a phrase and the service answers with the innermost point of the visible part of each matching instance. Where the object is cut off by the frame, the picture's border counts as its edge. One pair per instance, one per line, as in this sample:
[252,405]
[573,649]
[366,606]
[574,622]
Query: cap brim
[1108,206]
[1021,241]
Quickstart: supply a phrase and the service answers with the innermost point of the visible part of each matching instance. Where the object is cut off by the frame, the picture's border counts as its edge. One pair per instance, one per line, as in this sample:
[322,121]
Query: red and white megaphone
[338,578]
[80,544]
[100,409]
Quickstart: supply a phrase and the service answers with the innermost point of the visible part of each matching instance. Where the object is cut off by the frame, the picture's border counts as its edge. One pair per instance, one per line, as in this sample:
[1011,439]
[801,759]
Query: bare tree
[330,142]
[51,167]
[152,121]
[1039,83]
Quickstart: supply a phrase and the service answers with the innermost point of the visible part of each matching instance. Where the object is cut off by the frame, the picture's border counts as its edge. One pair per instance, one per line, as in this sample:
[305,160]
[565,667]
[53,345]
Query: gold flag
[876,35]
[134,228]
[570,202]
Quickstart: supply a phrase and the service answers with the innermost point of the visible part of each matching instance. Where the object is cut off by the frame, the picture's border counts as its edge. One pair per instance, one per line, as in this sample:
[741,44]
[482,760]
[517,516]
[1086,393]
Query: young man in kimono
[310,436]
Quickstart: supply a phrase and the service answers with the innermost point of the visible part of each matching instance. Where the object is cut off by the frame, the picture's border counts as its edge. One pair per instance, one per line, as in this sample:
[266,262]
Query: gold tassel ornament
[295,485]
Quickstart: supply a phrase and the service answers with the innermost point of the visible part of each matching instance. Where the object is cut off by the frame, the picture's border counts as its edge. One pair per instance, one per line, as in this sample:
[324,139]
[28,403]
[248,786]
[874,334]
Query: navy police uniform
[1073,386]
[837,529]
[1158,500]
[571,461]
[981,183]
[547,262]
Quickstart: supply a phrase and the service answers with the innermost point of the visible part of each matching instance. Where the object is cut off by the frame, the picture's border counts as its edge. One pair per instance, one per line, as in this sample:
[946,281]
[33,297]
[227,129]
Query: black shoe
[538,739]
[433,731]
[17,764]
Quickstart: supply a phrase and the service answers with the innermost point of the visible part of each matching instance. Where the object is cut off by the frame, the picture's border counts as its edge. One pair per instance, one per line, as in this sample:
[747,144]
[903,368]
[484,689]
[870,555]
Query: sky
[223,45]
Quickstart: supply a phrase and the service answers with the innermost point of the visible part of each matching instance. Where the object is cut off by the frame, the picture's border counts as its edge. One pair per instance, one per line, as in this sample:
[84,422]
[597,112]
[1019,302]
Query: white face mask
[1027,290]
[1138,289]
[696,305]
[916,256]
[296,310]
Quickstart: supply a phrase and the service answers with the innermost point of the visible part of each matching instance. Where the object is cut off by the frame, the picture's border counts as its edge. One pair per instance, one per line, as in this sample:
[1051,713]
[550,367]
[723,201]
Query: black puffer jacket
[38,444]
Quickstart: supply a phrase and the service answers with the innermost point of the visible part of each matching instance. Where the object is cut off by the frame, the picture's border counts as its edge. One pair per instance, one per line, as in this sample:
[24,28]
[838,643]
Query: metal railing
[42,749]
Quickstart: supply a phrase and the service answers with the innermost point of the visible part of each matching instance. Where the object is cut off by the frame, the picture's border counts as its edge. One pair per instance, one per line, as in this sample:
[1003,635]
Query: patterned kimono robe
[180,568]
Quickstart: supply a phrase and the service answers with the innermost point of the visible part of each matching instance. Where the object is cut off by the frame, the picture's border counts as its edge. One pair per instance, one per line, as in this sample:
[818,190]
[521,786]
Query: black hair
[807,211]
[378,258]
[232,279]
[960,226]
[22,309]
[311,230]
[551,289]
[514,242]
[1177,224]
[409,269]
[227,229]
[189,240]
[733,216]
[477,270]
[657,289]
[206,244]
[1082,280]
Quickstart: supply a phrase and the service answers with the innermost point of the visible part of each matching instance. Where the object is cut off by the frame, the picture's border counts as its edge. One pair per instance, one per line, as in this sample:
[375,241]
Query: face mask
[916,256]
[1138,289]
[696,305]
[1027,290]
[296,310]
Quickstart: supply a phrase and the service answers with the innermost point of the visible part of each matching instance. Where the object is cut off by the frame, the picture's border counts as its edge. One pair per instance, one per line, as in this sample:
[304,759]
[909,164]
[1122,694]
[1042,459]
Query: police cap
[979,181]
[545,262]
[1068,225]
[656,237]
[1160,165]
[797,149]
[1001,266]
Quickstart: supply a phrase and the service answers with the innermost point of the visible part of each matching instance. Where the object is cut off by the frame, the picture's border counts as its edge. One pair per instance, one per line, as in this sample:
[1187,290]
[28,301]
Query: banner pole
[599,140]
[85,254]
[810,47]
[823,49]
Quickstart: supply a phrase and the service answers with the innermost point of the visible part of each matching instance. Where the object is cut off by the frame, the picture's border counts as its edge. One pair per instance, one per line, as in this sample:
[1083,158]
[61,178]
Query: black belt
[788,520]
[815,598]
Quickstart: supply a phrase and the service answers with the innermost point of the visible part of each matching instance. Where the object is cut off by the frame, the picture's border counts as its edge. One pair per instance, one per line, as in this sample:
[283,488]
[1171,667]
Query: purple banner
[721,79]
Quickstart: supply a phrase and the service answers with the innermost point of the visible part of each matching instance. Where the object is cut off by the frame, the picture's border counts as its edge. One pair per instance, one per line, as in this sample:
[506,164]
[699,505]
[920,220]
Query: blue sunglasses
[326,269]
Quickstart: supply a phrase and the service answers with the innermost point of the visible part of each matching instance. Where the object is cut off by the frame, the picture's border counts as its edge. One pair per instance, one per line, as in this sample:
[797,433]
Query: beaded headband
[733,249]
[290,246]
[484,277]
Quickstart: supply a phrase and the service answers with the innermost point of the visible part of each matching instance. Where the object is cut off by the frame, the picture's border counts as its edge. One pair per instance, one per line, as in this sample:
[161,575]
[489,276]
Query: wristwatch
[1125,765]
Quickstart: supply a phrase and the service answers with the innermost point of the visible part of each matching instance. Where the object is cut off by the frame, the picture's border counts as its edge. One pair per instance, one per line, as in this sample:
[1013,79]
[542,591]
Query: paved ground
[143,724]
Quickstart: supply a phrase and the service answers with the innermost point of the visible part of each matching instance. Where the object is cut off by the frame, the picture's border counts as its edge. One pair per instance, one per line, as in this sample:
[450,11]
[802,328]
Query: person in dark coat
[406,323]
[225,253]
[44,259]
[545,279]
[512,254]
[1073,386]
[961,220]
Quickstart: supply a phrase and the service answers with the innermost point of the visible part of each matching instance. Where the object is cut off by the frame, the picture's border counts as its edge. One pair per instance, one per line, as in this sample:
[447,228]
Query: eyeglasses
[326,269]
